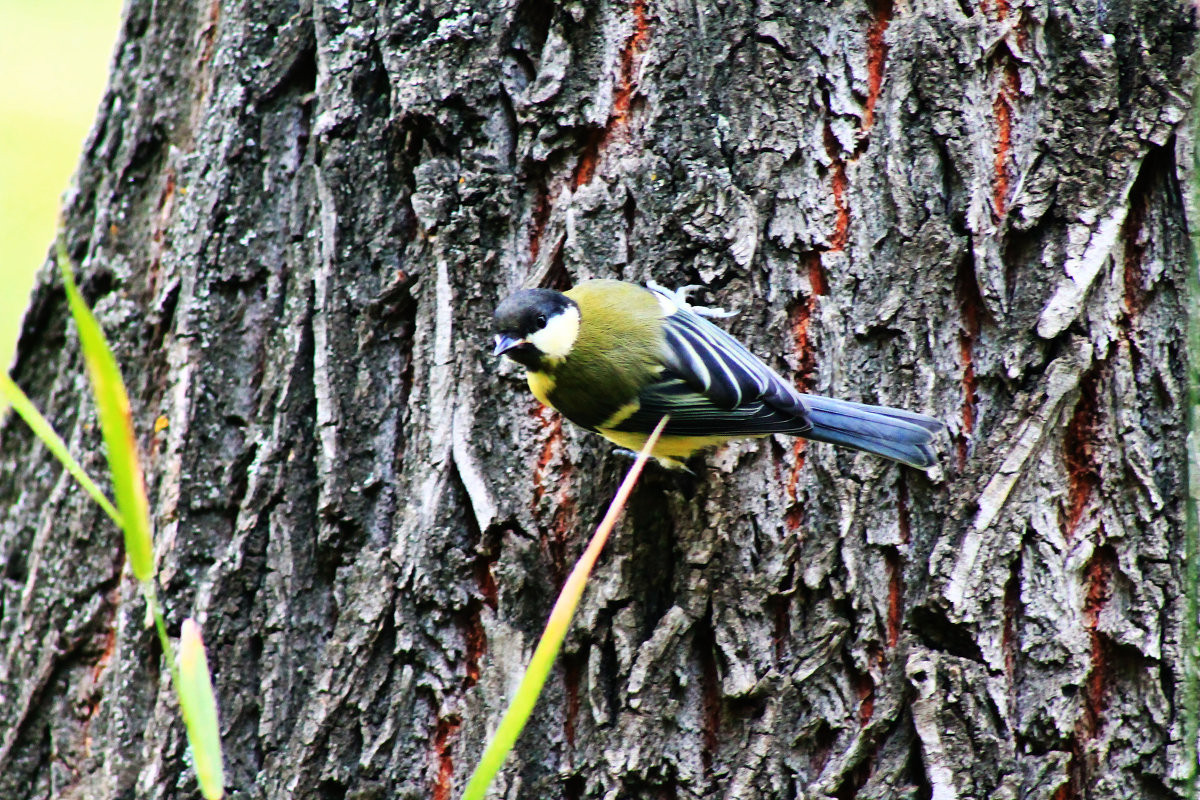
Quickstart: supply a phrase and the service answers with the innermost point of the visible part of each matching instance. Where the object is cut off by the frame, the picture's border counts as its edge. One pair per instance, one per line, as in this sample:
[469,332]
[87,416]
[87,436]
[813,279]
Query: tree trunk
[295,219]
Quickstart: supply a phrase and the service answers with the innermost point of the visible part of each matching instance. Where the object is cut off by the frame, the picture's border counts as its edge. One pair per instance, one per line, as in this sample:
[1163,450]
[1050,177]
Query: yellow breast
[541,384]
[670,451]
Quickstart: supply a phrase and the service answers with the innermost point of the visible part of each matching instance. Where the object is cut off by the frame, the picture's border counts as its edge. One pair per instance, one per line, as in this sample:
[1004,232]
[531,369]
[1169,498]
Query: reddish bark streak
[551,447]
[1135,250]
[1001,7]
[476,644]
[895,597]
[801,318]
[1008,635]
[112,599]
[487,583]
[710,698]
[446,729]
[793,518]
[841,232]
[206,41]
[860,773]
[472,623]
[876,59]
[208,34]
[1095,698]
[895,615]
[1099,591]
[598,140]
[971,303]
[470,620]
[110,647]
[1083,470]
[629,59]
[585,170]
[1002,109]
[816,277]
[165,203]
[841,227]
[969,384]
[1069,791]
[166,209]
[865,690]
[618,118]
[552,482]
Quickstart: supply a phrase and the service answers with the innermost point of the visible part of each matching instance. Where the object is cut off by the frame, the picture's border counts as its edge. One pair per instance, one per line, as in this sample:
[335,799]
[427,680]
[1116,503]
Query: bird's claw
[714,313]
[680,297]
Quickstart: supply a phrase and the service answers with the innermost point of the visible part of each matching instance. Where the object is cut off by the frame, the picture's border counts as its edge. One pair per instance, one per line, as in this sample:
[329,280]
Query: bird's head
[535,327]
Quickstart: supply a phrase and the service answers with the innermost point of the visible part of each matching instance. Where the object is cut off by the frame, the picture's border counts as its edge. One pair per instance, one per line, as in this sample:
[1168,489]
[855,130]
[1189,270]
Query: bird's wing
[717,365]
[695,414]
[711,385]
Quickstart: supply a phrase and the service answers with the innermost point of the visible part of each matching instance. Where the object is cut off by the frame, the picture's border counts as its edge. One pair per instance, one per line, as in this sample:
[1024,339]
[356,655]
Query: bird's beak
[506,343]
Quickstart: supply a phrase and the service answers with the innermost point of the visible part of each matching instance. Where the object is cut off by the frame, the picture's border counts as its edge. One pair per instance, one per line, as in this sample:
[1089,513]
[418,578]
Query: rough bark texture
[294,219]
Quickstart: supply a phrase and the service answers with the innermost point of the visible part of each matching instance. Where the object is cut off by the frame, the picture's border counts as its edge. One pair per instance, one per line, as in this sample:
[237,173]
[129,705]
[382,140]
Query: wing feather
[723,348]
[694,414]
[688,360]
[719,366]
[711,385]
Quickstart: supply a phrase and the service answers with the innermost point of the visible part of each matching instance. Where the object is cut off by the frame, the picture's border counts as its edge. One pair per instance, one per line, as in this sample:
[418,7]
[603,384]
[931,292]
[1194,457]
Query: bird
[614,358]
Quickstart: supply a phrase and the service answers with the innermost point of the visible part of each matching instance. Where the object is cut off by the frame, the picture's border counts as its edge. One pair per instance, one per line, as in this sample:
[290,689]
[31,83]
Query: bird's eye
[541,320]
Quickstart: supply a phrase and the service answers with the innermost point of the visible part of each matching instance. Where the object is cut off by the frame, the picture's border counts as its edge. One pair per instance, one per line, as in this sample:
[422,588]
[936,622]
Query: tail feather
[894,433]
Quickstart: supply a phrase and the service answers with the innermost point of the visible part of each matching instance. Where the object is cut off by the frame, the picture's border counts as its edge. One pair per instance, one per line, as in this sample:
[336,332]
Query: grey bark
[294,220]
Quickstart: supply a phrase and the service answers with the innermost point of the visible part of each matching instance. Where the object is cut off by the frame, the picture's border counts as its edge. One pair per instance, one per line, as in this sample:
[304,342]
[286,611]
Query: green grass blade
[42,429]
[116,423]
[546,652]
[199,707]
[1191,561]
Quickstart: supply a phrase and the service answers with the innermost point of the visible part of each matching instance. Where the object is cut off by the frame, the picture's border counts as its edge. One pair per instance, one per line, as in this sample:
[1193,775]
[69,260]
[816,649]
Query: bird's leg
[666,463]
[680,297]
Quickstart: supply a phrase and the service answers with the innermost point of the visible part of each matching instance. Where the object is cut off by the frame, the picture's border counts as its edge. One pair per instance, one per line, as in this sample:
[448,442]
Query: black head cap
[523,314]
[527,311]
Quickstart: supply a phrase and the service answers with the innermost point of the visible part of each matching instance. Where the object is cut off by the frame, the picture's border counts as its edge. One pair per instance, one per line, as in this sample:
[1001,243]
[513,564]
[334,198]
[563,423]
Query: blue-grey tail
[894,433]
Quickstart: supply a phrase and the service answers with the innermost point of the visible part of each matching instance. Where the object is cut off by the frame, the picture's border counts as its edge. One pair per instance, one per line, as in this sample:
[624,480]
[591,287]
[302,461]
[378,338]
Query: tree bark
[294,220]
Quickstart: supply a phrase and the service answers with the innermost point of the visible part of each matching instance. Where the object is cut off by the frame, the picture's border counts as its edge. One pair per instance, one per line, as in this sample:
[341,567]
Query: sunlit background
[54,59]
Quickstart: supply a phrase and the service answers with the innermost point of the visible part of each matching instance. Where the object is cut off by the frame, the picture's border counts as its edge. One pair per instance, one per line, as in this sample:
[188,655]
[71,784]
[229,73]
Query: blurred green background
[54,59]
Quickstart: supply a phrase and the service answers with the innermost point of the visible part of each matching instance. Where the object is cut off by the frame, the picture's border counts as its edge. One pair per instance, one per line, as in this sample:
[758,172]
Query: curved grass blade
[1190,648]
[544,654]
[42,429]
[199,707]
[116,423]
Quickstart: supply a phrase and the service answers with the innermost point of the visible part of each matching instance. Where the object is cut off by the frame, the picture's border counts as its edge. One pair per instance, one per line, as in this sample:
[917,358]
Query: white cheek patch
[558,337]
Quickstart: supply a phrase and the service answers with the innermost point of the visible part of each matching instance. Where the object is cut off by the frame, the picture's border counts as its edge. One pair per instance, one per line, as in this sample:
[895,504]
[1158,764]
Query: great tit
[614,358]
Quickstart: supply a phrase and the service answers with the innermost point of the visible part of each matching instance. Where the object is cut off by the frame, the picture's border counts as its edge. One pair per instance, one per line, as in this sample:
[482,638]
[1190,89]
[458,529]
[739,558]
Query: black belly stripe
[579,415]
